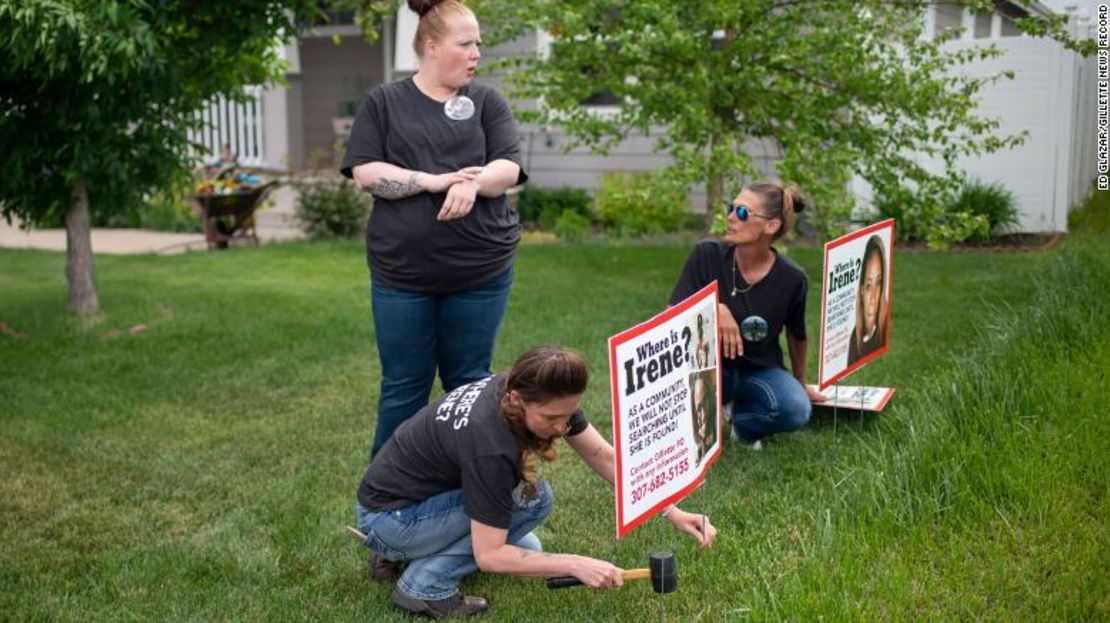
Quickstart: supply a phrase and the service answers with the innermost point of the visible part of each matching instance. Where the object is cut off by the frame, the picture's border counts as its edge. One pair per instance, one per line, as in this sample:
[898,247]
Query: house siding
[332,74]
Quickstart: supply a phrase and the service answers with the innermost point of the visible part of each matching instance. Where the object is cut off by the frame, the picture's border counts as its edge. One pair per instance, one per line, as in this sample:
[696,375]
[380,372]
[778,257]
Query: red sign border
[624,336]
[829,246]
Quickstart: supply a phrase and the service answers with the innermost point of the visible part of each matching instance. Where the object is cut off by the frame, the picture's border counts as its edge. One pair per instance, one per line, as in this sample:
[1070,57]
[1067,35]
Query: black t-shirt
[459,441]
[779,298]
[406,246]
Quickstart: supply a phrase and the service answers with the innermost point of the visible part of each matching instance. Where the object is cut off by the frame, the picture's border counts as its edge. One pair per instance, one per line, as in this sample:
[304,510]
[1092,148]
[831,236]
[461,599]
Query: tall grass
[201,468]
[986,497]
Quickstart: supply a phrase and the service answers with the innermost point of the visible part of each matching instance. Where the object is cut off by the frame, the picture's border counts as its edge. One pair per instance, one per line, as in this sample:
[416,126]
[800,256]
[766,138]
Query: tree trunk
[79,257]
[714,189]
[715,185]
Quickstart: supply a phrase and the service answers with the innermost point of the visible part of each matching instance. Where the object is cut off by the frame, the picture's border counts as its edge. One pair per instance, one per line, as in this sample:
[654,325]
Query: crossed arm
[389,181]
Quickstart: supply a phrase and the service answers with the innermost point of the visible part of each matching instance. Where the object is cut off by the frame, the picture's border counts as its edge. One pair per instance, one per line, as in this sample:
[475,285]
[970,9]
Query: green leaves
[104,91]
[835,88]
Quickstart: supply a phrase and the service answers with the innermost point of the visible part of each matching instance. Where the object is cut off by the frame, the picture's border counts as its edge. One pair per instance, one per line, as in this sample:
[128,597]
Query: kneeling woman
[456,488]
[761,292]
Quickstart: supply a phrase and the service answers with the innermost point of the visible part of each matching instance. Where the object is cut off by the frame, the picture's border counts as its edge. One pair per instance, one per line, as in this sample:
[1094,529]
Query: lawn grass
[202,468]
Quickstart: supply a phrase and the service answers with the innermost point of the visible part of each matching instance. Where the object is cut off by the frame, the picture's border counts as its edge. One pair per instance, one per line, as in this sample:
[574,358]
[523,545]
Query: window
[1009,14]
[983,25]
[947,17]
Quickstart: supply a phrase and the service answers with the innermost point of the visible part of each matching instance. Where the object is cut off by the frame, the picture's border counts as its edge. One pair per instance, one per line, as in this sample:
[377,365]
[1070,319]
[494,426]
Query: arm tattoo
[392,189]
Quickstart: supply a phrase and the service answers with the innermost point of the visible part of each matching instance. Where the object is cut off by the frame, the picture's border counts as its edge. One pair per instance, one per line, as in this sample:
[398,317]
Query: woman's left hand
[814,394]
[459,201]
[697,526]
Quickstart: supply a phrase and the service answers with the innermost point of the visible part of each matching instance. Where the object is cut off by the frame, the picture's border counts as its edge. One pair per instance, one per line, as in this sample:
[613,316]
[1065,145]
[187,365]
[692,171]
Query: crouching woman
[456,488]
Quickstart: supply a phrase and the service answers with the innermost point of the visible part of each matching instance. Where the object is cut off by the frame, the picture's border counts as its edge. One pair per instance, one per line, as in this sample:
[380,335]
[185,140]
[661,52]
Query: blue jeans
[764,402]
[419,332]
[434,538]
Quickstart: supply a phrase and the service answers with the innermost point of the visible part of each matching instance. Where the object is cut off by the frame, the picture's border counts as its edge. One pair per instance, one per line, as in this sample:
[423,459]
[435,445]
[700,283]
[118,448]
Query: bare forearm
[388,181]
[604,464]
[596,452]
[797,357]
[513,560]
[498,177]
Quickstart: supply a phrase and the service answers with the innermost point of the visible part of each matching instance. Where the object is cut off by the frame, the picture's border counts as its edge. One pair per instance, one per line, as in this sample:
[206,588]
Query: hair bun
[421,7]
[797,200]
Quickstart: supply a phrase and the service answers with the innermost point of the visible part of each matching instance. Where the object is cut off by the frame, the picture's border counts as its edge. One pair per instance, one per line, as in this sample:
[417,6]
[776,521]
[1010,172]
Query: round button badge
[754,328]
[459,108]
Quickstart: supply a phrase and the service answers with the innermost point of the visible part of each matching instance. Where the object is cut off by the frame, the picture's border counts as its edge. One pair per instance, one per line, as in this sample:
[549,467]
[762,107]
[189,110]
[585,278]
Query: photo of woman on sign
[869,334]
[704,411]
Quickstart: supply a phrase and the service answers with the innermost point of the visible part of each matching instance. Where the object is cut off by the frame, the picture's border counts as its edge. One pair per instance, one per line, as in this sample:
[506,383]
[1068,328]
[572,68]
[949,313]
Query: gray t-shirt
[460,441]
[406,246]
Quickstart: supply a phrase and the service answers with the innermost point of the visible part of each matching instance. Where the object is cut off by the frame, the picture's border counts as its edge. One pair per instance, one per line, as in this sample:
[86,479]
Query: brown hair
[540,375]
[874,248]
[780,202]
[433,23]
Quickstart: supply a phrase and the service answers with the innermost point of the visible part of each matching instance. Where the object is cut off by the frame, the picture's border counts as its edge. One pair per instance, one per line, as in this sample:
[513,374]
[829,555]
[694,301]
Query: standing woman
[437,153]
[761,293]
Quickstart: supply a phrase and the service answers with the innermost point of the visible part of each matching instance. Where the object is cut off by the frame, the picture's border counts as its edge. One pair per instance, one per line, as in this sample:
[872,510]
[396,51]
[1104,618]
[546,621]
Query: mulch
[1008,242]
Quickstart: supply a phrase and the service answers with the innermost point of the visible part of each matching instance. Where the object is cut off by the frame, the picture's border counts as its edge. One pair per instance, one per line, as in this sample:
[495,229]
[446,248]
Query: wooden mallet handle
[565,581]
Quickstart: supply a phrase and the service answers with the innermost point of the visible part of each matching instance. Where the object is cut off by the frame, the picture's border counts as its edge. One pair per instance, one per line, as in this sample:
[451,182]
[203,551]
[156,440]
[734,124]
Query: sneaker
[457,605]
[753,446]
[383,571]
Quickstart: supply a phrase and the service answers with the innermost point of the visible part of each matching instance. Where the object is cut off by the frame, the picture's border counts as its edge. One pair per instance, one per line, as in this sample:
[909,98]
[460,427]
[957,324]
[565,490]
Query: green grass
[202,468]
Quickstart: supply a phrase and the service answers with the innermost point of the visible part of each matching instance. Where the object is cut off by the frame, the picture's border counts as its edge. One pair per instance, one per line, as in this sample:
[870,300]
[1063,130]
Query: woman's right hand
[732,344]
[597,573]
[440,183]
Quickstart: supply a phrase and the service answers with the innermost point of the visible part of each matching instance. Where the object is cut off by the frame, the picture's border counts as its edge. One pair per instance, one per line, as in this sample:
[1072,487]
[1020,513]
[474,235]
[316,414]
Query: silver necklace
[736,290]
[753,328]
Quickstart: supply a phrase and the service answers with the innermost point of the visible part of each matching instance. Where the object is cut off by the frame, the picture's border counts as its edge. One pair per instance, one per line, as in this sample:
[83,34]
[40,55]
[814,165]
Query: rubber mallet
[662,571]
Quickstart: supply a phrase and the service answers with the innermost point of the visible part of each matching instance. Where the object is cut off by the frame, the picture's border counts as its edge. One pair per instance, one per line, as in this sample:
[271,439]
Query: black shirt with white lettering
[406,246]
[460,441]
[779,298]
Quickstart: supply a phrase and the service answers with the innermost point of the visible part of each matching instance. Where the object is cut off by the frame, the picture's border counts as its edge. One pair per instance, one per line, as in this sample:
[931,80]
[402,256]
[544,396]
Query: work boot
[457,605]
[384,571]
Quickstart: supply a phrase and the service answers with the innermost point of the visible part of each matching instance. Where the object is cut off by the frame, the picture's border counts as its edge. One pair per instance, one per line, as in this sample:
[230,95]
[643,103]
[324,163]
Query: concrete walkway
[274,224]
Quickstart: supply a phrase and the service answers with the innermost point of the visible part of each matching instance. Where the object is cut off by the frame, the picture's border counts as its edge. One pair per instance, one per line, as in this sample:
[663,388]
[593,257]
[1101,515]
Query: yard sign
[666,407]
[855,301]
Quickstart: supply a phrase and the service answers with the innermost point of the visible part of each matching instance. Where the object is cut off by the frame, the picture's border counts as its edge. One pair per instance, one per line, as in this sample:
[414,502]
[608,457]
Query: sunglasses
[742,212]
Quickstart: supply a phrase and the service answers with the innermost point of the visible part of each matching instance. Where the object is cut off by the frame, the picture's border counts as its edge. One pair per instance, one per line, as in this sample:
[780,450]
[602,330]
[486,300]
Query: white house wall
[1041,99]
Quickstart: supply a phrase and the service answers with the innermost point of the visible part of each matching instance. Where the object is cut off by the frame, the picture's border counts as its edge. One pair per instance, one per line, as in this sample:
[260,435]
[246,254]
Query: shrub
[166,209]
[992,201]
[572,226]
[542,207]
[634,204]
[331,208]
[930,218]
